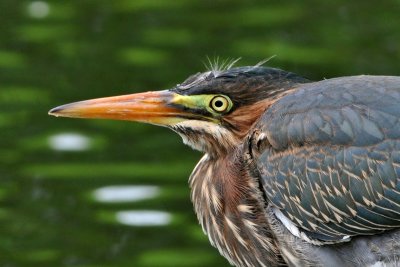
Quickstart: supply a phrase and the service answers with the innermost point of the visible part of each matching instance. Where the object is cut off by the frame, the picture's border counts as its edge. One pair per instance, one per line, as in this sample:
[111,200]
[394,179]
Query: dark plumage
[295,172]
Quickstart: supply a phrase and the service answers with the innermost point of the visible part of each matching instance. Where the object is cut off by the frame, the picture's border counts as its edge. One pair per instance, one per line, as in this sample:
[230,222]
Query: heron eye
[219,104]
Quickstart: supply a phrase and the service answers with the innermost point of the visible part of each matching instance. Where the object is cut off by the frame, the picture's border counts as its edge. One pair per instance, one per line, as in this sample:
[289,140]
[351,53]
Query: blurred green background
[109,193]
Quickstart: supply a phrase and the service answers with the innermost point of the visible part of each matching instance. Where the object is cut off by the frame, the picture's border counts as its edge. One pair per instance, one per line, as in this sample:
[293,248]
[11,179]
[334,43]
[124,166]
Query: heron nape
[294,172]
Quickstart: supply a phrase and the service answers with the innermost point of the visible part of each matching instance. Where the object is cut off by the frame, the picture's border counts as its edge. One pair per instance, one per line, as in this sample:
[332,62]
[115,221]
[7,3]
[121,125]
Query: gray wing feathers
[354,110]
[333,161]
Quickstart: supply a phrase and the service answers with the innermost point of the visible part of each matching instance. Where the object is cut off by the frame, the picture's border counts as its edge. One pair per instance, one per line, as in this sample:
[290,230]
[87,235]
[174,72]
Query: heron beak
[150,107]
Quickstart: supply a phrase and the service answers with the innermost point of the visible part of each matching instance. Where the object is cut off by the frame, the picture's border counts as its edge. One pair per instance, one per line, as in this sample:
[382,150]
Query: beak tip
[57,111]
[54,111]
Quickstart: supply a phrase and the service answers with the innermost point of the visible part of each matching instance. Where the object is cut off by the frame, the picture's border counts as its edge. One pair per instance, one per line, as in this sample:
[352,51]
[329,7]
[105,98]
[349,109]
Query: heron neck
[229,206]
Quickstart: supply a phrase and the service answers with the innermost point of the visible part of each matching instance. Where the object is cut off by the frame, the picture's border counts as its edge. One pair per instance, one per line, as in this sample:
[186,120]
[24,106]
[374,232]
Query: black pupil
[218,103]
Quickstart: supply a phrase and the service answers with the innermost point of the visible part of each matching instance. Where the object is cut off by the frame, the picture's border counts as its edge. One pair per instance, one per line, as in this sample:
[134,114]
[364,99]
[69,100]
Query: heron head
[212,111]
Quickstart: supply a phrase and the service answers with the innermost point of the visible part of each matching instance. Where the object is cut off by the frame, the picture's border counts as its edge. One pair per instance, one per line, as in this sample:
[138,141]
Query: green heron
[295,172]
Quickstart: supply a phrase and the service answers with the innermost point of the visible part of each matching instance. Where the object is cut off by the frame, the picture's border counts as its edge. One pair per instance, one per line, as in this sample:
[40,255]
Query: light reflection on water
[69,142]
[143,217]
[125,193]
[38,9]
[132,193]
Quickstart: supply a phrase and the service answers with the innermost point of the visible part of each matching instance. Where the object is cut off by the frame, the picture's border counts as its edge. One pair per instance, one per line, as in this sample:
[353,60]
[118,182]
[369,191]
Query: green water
[56,204]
